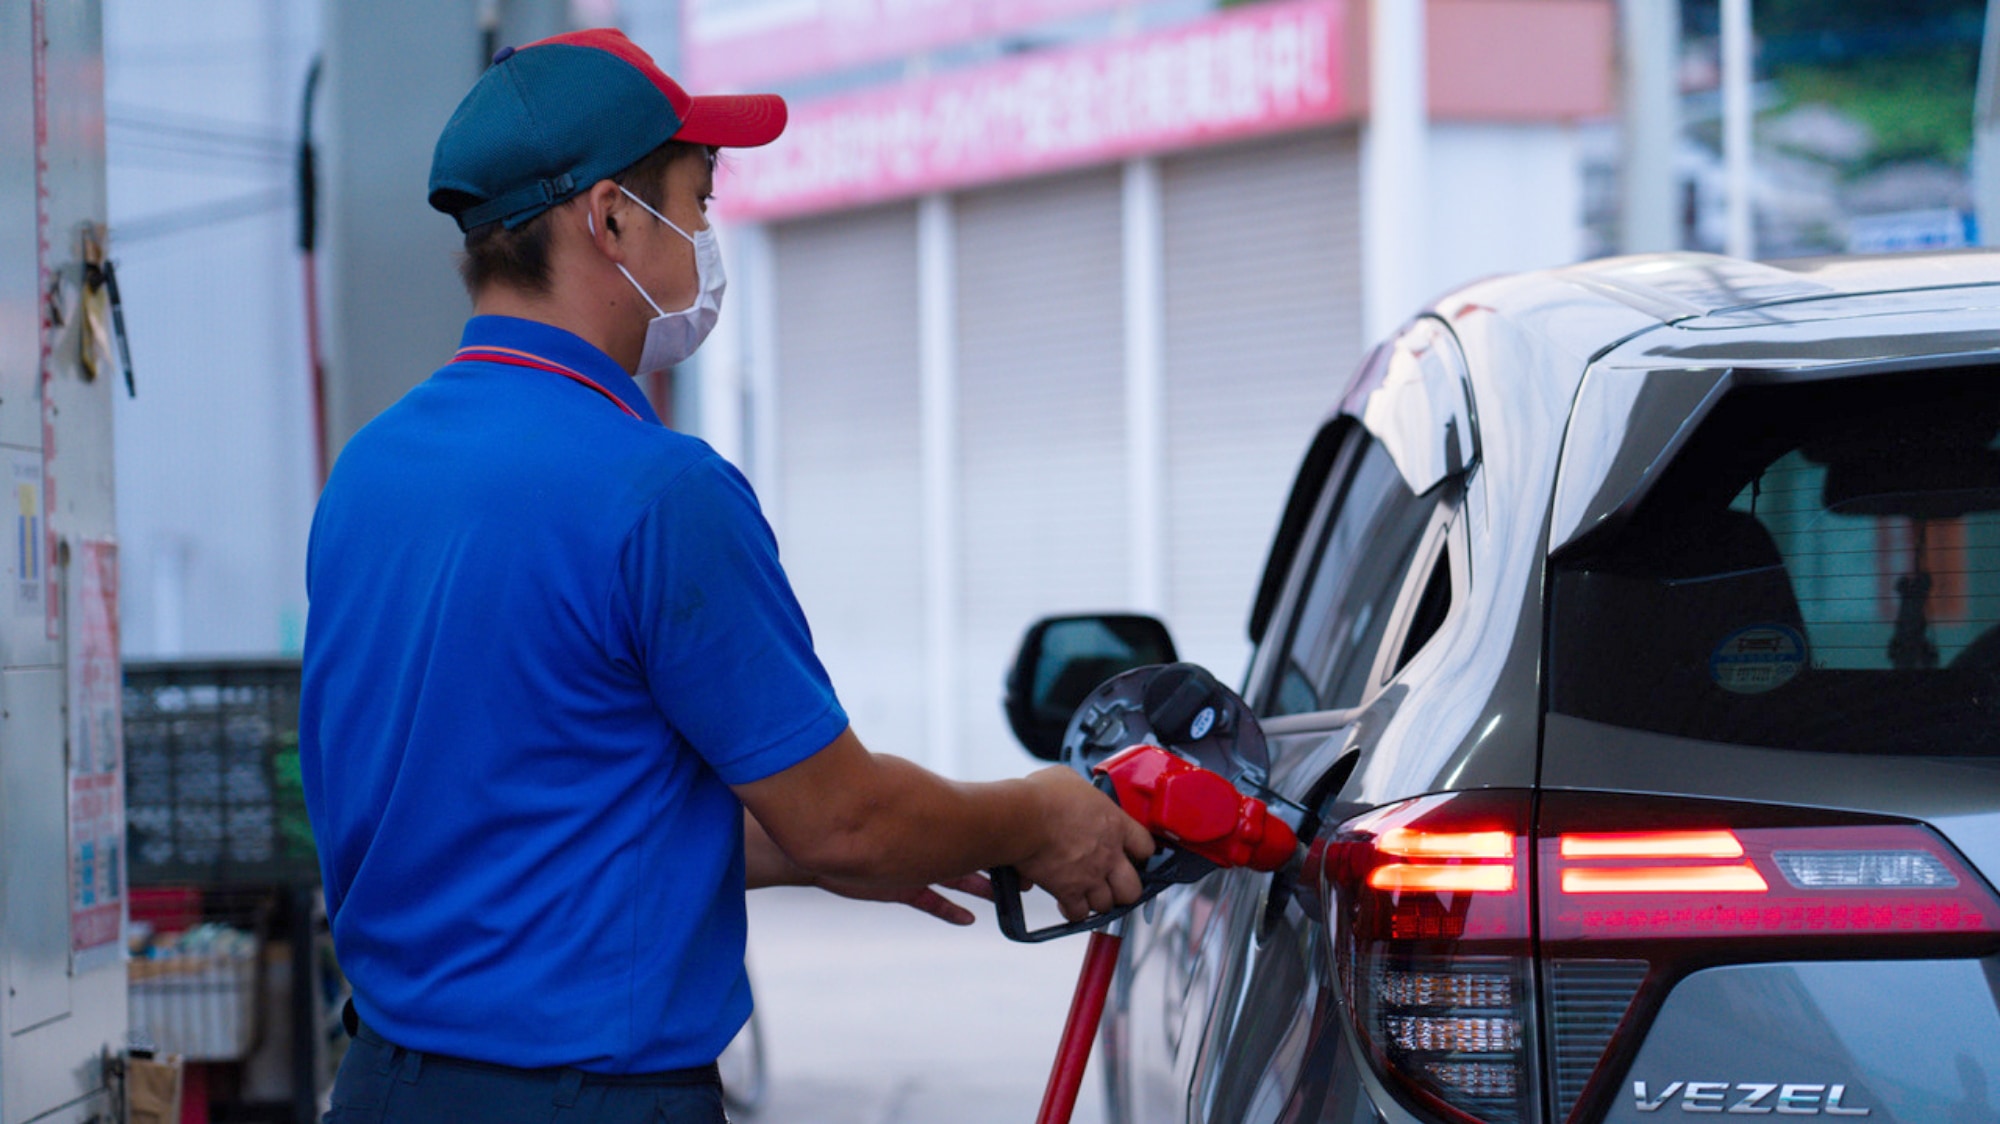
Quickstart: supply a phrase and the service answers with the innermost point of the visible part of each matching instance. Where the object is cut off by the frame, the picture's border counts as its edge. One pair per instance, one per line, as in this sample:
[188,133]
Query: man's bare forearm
[848,815]
[764,862]
[870,817]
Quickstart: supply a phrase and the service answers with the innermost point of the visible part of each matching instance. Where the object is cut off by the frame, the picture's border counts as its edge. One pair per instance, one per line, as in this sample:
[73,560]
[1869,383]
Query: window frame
[1270,654]
[1442,528]
[1444,538]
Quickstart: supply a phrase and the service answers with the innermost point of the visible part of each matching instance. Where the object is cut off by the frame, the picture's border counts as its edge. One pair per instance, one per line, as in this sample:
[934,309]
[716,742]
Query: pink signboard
[1265,68]
[734,44]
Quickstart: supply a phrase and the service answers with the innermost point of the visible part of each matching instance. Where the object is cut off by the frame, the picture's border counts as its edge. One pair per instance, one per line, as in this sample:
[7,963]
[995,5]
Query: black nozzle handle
[1014,919]
[1169,867]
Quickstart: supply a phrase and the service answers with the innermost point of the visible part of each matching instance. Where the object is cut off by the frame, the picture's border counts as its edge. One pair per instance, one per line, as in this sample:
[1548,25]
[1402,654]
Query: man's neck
[603,330]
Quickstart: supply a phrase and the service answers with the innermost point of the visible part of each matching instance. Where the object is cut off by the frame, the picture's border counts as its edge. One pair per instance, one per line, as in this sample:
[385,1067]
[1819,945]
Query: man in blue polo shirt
[560,706]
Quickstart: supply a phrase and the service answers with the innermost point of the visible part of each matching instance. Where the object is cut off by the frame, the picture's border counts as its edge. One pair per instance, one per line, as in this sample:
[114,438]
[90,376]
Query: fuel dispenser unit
[62,794]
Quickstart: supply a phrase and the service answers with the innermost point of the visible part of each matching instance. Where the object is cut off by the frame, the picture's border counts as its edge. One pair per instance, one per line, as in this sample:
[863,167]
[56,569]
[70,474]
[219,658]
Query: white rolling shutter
[1263,315]
[1041,428]
[847,455]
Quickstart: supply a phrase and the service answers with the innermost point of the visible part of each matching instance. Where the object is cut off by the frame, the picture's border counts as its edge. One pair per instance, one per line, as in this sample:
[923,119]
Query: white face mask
[673,336]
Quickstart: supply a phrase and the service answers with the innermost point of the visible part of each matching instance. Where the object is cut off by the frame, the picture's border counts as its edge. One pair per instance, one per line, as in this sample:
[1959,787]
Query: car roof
[1682,287]
[1588,308]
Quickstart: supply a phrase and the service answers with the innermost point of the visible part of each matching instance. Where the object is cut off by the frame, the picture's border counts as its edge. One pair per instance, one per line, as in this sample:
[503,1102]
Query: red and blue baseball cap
[548,120]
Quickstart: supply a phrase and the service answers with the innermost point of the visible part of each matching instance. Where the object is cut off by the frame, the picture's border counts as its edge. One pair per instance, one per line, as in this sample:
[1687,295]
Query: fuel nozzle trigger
[1199,819]
[1193,809]
[1166,868]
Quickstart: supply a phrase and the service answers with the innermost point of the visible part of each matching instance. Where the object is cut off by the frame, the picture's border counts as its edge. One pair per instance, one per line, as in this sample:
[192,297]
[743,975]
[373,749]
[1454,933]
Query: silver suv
[1630,652]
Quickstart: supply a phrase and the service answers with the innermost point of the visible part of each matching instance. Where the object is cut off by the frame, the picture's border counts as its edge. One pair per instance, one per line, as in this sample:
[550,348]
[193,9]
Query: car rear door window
[1818,569]
[1357,572]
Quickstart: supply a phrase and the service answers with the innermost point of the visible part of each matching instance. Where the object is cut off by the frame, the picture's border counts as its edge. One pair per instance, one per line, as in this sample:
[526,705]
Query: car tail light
[1635,891]
[1430,903]
[1765,876]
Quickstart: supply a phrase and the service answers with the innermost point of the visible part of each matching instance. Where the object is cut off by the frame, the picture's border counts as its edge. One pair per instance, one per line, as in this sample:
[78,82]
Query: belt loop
[412,1067]
[568,1089]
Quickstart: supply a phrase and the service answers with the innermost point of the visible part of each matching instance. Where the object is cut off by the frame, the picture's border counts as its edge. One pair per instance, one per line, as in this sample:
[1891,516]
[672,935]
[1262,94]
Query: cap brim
[734,120]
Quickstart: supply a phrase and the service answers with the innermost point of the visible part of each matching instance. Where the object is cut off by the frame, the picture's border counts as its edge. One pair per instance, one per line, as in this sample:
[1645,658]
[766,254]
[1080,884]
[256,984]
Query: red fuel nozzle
[1197,810]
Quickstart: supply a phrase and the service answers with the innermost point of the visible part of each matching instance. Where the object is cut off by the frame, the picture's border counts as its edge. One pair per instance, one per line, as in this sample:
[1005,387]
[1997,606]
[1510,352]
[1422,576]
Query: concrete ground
[879,1014]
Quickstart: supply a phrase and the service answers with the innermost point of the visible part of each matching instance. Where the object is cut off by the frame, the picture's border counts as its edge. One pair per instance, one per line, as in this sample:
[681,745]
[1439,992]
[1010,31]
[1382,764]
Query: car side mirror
[1063,659]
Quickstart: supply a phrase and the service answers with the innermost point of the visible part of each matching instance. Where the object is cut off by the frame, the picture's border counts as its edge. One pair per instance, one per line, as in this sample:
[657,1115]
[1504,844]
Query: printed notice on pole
[96,753]
[26,597]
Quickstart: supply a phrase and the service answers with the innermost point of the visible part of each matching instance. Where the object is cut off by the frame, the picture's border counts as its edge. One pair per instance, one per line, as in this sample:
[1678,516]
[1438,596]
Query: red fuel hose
[1086,1009]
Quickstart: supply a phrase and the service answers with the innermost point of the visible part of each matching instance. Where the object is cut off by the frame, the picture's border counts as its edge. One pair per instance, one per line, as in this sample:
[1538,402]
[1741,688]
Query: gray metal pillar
[1738,44]
[1986,132]
[394,73]
[1394,179]
[1650,40]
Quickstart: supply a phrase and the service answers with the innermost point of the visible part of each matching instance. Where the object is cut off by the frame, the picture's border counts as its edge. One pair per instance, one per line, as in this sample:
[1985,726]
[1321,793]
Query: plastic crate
[212,787]
[201,1006]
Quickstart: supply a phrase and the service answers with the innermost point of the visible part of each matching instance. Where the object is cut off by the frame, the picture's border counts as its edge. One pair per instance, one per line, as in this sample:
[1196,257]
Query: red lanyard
[514,358]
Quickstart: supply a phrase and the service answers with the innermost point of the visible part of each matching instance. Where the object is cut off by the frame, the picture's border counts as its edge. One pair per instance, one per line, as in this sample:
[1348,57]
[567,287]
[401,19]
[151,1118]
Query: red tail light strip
[1443,879]
[1415,844]
[1738,878]
[1653,845]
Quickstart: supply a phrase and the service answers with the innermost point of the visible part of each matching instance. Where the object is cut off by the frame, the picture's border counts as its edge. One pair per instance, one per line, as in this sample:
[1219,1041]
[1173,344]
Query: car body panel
[1955,298]
[1959,796]
[1262,1015]
[1863,273]
[1886,1041]
[1421,409]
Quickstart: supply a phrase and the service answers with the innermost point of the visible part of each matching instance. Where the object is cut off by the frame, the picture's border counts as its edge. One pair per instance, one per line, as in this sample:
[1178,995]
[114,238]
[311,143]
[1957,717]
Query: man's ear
[604,218]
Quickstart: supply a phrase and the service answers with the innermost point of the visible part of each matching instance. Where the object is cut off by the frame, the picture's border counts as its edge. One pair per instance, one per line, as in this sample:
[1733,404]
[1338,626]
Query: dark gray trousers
[381,1083]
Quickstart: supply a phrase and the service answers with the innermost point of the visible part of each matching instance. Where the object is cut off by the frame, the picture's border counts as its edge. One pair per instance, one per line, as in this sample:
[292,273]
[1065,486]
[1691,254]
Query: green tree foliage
[1904,68]
[1700,18]
[1797,17]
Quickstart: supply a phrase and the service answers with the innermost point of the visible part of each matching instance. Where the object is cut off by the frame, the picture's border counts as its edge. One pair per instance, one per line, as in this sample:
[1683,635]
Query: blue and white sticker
[1763,657]
[1202,724]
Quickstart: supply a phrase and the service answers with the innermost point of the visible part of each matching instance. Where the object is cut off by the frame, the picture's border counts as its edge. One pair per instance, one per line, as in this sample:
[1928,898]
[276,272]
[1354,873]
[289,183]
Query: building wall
[1041,425]
[214,463]
[1259,331]
[1503,198]
[848,491]
[1263,329]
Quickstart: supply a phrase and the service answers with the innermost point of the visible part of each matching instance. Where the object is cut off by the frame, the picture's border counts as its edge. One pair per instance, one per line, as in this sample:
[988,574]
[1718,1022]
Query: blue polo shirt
[544,638]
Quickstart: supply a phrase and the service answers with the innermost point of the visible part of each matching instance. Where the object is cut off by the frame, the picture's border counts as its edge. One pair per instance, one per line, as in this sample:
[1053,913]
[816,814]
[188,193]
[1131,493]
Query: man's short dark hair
[519,258]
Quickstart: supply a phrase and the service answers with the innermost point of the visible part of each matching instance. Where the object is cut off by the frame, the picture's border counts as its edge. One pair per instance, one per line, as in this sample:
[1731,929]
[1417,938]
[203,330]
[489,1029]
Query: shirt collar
[563,348]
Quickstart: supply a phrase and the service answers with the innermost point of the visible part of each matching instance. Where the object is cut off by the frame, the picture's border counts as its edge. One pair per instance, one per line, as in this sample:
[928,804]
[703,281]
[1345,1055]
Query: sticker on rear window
[1757,659]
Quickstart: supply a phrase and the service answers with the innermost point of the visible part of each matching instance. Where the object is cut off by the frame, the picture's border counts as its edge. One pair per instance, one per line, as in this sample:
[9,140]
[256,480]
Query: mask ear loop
[590,220]
[649,210]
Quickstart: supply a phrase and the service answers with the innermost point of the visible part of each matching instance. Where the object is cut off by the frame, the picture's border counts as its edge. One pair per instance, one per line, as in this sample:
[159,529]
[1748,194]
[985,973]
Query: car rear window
[1818,569]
